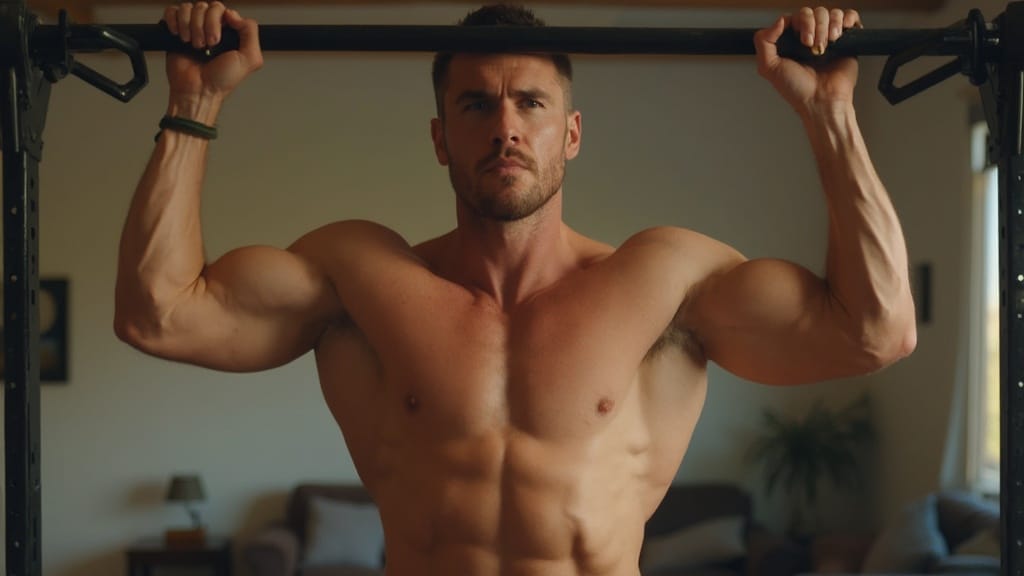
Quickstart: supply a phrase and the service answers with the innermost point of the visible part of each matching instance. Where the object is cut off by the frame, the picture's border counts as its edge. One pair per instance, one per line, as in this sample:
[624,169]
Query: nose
[507,128]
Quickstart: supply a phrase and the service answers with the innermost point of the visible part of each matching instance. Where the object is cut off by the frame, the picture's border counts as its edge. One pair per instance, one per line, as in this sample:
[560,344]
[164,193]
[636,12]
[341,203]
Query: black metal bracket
[55,58]
[978,46]
[108,38]
[28,90]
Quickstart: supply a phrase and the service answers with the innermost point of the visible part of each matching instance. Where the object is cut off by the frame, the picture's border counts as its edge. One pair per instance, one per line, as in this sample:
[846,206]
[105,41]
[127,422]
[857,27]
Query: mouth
[501,167]
[505,165]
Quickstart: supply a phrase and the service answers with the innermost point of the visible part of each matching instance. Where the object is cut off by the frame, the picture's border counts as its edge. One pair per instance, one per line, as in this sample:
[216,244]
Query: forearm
[161,253]
[867,271]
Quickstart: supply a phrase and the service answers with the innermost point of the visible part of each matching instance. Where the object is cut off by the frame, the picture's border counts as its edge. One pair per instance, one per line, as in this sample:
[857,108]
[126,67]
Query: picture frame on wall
[53,331]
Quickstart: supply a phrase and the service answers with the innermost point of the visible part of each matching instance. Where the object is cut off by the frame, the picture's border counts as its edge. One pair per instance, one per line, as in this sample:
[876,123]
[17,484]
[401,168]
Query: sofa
[698,530]
[945,532]
[708,529]
[283,548]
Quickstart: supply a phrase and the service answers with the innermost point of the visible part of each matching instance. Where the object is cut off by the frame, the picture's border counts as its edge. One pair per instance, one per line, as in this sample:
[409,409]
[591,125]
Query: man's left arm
[775,322]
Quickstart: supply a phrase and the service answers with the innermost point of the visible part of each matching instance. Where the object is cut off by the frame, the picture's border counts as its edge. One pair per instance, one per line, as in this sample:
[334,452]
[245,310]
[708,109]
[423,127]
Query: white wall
[922,149]
[701,143]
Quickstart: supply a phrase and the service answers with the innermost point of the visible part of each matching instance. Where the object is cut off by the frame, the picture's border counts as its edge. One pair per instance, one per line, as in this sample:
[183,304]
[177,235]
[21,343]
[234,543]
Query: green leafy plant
[797,452]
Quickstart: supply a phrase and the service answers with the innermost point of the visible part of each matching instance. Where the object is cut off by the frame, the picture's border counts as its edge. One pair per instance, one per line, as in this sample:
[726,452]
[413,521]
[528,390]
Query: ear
[573,135]
[437,135]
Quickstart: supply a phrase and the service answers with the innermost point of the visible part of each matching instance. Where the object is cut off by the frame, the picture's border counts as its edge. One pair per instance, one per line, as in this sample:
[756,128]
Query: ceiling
[81,10]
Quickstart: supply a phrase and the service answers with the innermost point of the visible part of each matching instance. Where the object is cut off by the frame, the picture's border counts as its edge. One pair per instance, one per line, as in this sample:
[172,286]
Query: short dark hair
[497,15]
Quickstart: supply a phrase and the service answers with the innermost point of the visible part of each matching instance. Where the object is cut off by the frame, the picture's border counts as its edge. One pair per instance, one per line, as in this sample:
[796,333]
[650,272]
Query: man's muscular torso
[515,404]
[535,439]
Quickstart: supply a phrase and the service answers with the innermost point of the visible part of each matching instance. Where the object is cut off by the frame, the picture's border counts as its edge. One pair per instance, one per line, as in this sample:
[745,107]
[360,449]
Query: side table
[840,553]
[150,553]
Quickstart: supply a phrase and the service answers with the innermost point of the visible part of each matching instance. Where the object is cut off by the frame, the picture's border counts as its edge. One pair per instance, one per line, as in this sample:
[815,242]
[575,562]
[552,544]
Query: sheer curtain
[972,447]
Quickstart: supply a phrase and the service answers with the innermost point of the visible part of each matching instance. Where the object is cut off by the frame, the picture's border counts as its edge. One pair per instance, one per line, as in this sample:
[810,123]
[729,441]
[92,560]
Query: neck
[510,261]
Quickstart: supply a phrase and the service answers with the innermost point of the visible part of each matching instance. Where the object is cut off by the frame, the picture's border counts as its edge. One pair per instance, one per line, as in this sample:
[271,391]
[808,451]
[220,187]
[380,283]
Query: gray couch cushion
[910,543]
[963,514]
[297,515]
[343,533]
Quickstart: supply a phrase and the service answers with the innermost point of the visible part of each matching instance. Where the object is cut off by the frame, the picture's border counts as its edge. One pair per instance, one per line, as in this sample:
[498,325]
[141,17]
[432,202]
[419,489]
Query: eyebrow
[534,94]
[471,95]
[474,95]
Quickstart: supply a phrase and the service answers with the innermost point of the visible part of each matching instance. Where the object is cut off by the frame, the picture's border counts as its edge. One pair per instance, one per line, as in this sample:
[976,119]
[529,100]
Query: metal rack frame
[33,57]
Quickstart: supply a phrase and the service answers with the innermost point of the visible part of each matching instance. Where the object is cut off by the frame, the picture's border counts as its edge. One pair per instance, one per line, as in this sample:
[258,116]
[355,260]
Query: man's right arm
[255,307]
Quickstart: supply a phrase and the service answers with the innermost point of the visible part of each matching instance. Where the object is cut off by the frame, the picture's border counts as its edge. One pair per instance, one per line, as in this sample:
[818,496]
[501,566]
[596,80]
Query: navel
[412,403]
[605,406]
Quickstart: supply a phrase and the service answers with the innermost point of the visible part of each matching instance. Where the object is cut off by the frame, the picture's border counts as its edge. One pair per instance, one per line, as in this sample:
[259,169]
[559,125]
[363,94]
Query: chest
[471,372]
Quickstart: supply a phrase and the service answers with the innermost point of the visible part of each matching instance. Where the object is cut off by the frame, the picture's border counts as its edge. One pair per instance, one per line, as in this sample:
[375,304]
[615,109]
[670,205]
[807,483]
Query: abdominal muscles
[507,505]
[468,485]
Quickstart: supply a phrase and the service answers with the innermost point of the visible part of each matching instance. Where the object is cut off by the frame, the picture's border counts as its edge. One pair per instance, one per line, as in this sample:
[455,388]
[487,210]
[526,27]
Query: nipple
[605,406]
[412,403]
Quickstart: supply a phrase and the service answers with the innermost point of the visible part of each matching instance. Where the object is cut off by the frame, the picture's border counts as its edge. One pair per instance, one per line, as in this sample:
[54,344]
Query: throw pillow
[343,533]
[963,514]
[911,543]
[709,542]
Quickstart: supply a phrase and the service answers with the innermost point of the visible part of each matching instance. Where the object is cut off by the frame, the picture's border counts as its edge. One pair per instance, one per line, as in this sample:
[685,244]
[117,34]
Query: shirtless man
[516,397]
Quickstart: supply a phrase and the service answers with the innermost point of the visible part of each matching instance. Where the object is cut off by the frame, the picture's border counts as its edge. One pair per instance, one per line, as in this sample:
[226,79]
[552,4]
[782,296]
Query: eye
[476,106]
[532,103]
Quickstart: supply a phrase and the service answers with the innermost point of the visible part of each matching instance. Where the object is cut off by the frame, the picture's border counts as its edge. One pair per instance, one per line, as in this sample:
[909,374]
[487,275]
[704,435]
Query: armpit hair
[677,338]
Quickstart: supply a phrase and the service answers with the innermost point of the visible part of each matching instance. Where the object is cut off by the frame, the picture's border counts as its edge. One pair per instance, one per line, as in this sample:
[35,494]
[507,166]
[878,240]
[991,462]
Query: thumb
[765,39]
[248,35]
[764,43]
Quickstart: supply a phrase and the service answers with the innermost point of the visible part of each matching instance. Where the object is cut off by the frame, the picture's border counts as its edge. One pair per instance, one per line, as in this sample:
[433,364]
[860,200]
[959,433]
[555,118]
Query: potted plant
[796,452]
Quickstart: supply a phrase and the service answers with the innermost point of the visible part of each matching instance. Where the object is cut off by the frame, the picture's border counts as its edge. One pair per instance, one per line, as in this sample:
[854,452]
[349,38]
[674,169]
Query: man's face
[505,134]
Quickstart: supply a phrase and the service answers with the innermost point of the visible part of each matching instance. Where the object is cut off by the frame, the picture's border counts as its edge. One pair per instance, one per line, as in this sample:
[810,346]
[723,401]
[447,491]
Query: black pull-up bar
[574,40]
[971,41]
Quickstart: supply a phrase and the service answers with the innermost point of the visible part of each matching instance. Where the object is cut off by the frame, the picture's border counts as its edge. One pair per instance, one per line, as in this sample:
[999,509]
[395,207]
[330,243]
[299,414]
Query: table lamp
[187,489]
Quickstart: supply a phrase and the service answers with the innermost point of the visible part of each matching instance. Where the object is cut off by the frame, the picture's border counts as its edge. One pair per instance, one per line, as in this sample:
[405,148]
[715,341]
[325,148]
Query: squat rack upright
[34,56]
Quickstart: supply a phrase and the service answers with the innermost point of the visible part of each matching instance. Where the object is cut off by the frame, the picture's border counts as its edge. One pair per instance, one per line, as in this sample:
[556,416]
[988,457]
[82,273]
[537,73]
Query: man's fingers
[214,22]
[835,25]
[851,19]
[803,25]
[816,27]
[185,21]
[171,18]
[821,19]
[198,25]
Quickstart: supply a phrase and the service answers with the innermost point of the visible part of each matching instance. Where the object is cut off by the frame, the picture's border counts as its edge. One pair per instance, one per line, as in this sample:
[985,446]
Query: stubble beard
[500,198]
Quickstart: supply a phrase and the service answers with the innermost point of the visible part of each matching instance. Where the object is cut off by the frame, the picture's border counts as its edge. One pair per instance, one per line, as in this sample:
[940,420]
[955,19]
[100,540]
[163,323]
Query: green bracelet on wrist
[186,126]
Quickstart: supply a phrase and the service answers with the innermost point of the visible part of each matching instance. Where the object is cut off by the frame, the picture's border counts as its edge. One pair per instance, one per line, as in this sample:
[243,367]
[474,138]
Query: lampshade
[185,488]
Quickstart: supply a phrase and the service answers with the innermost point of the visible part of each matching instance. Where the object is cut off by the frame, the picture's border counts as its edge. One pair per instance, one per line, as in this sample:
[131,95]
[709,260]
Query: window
[983,366]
